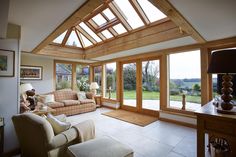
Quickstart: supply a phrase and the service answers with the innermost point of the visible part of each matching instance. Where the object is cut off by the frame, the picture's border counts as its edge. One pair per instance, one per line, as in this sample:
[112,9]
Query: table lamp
[93,87]
[25,87]
[28,93]
[224,62]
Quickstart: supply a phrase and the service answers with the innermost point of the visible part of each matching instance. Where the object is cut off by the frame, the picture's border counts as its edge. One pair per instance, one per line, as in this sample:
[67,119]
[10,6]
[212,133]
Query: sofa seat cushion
[86,101]
[55,104]
[70,102]
[65,95]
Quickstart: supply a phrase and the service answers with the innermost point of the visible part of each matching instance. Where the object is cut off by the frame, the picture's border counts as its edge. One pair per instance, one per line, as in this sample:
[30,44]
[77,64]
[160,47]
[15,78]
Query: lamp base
[226,106]
[221,110]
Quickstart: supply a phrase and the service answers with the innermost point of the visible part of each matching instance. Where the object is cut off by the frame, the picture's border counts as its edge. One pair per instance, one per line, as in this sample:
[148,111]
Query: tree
[196,87]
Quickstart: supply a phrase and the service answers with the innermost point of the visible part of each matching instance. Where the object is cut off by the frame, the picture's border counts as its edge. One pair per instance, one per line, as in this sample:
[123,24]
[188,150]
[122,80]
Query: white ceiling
[213,19]
[38,18]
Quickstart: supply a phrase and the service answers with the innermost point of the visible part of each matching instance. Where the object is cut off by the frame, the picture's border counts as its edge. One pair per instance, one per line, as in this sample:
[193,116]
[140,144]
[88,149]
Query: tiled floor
[159,139]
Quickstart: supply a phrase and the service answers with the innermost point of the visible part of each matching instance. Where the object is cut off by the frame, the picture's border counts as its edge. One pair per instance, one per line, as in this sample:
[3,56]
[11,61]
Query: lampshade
[94,85]
[223,62]
[25,87]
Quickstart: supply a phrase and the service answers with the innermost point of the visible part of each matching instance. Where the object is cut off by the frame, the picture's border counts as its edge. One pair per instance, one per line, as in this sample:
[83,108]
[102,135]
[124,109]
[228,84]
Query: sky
[185,65]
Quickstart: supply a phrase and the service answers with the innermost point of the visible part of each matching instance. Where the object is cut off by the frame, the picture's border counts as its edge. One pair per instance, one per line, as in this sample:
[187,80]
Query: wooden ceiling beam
[151,35]
[78,15]
[139,11]
[169,10]
[57,51]
[88,36]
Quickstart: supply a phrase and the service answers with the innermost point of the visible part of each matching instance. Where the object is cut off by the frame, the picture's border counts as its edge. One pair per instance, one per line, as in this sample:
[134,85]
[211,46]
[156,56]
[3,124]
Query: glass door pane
[129,84]
[151,85]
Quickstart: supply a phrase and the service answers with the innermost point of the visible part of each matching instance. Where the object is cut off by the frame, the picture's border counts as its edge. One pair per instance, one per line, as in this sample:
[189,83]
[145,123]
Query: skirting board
[178,119]
[111,105]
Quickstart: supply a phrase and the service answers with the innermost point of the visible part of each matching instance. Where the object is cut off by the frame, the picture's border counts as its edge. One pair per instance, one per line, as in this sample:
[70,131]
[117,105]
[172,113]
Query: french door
[141,85]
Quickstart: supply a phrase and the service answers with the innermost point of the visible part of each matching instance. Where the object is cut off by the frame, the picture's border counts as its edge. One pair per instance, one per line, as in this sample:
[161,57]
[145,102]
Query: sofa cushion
[65,95]
[55,104]
[70,102]
[86,101]
[57,125]
[81,95]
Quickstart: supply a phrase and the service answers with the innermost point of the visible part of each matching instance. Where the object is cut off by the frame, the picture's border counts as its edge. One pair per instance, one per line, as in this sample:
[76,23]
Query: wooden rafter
[139,11]
[66,36]
[169,10]
[90,38]
[78,15]
[108,25]
[112,31]
[79,38]
[120,17]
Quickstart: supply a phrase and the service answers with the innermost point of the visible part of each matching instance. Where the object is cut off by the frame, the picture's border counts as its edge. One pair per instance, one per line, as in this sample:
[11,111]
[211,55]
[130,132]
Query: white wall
[46,84]
[9,96]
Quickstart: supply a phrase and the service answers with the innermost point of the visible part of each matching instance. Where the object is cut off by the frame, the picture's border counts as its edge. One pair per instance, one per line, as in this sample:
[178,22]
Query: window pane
[129,84]
[99,19]
[63,76]
[107,34]
[73,40]
[89,31]
[119,28]
[110,84]
[60,38]
[82,77]
[185,80]
[151,11]
[130,14]
[85,41]
[109,14]
[151,85]
[98,77]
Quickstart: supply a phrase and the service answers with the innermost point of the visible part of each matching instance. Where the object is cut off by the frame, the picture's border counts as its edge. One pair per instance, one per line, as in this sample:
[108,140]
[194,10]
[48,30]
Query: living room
[152,67]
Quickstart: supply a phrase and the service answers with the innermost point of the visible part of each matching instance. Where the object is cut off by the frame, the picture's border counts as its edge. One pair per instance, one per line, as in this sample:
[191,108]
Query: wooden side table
[215,124]
[98,100]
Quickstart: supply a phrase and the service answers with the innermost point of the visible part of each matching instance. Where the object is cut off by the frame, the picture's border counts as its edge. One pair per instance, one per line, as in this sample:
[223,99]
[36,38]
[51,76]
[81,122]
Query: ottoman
[100,147]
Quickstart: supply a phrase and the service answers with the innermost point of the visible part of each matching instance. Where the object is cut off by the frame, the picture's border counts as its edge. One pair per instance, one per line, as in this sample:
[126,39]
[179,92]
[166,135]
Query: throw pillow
[47,98]
[81,95]
[57,125]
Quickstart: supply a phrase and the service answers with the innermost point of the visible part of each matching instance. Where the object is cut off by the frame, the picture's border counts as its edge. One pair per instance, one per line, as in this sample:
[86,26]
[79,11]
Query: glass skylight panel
[60,38]
[130,14]
[151,11]
[99,19]
[109,14]
[119,28]
[107,34]
[73,40]
[87,43]
[90,32]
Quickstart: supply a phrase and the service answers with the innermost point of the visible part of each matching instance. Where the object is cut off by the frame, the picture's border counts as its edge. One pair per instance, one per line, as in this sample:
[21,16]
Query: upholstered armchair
[37,139]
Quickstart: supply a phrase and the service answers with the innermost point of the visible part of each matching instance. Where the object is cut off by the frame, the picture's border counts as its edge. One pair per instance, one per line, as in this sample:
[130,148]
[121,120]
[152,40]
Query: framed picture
[31,72]
[7,63]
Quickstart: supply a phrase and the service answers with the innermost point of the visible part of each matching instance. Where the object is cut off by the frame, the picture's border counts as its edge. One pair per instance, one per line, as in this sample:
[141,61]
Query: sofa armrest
[63,138]
[90,95]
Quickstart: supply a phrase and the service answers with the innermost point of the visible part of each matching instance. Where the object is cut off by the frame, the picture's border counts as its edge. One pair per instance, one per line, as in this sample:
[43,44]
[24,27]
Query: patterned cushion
[70,102]
[86,101]
[65,95]
[90,95]
[55,104]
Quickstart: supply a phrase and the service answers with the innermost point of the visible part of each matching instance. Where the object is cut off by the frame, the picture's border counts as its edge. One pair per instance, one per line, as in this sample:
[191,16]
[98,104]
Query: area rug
[131,117]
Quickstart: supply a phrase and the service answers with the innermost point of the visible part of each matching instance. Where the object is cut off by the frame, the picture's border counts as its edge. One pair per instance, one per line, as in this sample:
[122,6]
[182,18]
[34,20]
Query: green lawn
[156,96]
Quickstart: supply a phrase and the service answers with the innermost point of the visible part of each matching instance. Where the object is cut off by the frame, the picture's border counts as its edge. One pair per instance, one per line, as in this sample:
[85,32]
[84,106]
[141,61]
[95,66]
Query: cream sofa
[37,139]
[67,102]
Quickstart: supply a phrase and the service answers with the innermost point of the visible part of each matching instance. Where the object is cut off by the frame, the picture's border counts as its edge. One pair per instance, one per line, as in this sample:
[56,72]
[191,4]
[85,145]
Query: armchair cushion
[57,125]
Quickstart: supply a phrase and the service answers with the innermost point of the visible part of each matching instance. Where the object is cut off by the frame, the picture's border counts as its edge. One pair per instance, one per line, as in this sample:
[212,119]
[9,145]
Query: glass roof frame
[91,32]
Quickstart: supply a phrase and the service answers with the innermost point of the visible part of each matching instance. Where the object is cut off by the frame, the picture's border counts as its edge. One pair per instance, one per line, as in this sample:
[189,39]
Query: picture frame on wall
[31,72]
[7,63]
